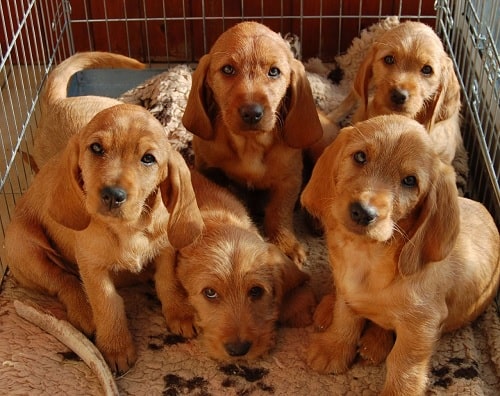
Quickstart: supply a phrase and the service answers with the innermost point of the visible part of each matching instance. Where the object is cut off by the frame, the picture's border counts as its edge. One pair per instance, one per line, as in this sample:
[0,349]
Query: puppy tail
[57,83]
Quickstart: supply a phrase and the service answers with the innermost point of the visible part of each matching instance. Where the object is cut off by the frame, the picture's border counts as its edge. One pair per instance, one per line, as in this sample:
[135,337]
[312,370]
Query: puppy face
[407,65]
[235,282]
[248,75]
[376,176]
[123,158]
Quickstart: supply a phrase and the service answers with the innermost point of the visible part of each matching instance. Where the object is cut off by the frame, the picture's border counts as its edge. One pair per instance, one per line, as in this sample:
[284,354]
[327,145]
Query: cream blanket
[466,362]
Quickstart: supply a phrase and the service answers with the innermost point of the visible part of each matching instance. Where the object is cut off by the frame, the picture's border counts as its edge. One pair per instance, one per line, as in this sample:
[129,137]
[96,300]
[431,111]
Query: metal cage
[37,34]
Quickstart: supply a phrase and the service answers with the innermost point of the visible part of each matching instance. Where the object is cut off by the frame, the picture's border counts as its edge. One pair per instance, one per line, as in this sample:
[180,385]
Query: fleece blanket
[32,361]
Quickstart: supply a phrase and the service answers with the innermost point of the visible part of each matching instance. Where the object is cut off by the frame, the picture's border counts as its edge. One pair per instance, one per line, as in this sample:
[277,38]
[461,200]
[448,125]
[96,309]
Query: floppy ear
[185,223]
[302,127]
[437,227]
[320,190]
[362,80]
[446,102]
[69,209]
[196,117]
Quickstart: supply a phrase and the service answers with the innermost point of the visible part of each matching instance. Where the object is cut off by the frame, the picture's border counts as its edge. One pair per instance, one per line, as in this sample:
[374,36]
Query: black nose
[113,197]
[251,113]
[399,96]
[239,348]
[363,214]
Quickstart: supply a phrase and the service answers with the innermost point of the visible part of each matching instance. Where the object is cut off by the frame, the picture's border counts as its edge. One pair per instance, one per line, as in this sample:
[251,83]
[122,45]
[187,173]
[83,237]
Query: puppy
[233,287]
[406,252]
[252,112]
[63,116]
[408,72]
[102,208]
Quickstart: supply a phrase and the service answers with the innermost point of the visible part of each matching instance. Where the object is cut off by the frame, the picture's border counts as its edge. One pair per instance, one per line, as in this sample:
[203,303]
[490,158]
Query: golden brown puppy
[408,72]
[95,211]
[233,286]
[406,252]
[252,112]
[63,116]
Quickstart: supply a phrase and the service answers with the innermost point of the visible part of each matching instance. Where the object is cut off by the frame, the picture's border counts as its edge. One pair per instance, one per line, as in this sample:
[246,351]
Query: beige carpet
[32,362]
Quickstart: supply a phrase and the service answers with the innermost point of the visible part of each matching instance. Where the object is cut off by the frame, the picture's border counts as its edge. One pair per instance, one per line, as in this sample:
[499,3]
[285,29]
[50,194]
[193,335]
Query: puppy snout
[113,197]
[251,113]
[399,96]
[363,214]
[238,348]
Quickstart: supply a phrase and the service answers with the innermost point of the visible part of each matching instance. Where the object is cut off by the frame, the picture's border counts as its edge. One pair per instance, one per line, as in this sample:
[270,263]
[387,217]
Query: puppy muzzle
[113,197]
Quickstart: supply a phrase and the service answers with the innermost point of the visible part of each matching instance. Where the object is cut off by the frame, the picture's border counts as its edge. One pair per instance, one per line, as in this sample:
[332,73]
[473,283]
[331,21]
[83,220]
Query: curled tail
[57,83]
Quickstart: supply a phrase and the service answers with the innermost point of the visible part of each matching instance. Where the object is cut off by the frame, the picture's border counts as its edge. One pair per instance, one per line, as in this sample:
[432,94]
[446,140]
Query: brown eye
[148,159]
[427,70]
[389,60]
[228,70]
[97,149]
[256,292]
[210,293]
[409,181]
[360,157]
[274,72]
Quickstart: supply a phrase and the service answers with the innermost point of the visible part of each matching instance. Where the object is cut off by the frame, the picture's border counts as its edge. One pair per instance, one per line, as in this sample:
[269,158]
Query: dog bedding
[466,361]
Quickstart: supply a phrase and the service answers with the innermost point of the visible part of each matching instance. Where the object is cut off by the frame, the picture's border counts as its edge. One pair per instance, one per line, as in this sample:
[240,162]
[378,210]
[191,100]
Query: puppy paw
[78,309]
[330,355]
[180,318]
[375,344]
[297,307]
[323,315]
[119,354]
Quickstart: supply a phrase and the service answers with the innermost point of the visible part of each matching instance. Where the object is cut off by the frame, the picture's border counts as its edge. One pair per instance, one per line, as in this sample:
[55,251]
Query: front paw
[180,318]
[292,248]
[329,355]
[323,315]
[120,354]
[375,344]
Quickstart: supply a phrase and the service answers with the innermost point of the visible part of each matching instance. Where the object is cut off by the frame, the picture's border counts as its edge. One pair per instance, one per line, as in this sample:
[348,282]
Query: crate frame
[38,34]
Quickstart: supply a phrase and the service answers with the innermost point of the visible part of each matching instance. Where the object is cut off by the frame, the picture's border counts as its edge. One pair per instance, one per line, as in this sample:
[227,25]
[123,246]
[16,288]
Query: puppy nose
[363,214]
[251,113]
[238,348]
[113,197]
[399,96]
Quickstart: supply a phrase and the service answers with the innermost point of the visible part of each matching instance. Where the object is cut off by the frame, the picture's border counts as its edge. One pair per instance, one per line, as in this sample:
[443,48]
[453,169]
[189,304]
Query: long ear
[436,229]
[73,213]
[361,84]
[319,191]
[302,127]
[196,117]
[185,223]
[446,102]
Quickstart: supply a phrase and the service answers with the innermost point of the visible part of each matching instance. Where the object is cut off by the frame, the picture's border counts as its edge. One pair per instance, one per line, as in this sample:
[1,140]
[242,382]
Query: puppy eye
[256,292]
[409,181]
[389,60]
[427,70]
[228,69]
[274,72]
[97,149]
[209,293]
[360,157]
[148,159]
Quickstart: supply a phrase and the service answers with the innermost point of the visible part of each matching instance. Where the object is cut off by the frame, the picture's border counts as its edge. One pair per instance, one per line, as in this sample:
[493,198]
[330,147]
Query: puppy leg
[375,343]
[178,313]
[334,350]
[408,363]
[278,221]
[112,335]
[323,315]
[38,266]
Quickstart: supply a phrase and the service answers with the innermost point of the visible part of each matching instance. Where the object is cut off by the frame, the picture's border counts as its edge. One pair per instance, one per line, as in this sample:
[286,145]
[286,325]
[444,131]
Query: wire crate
[37,34]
